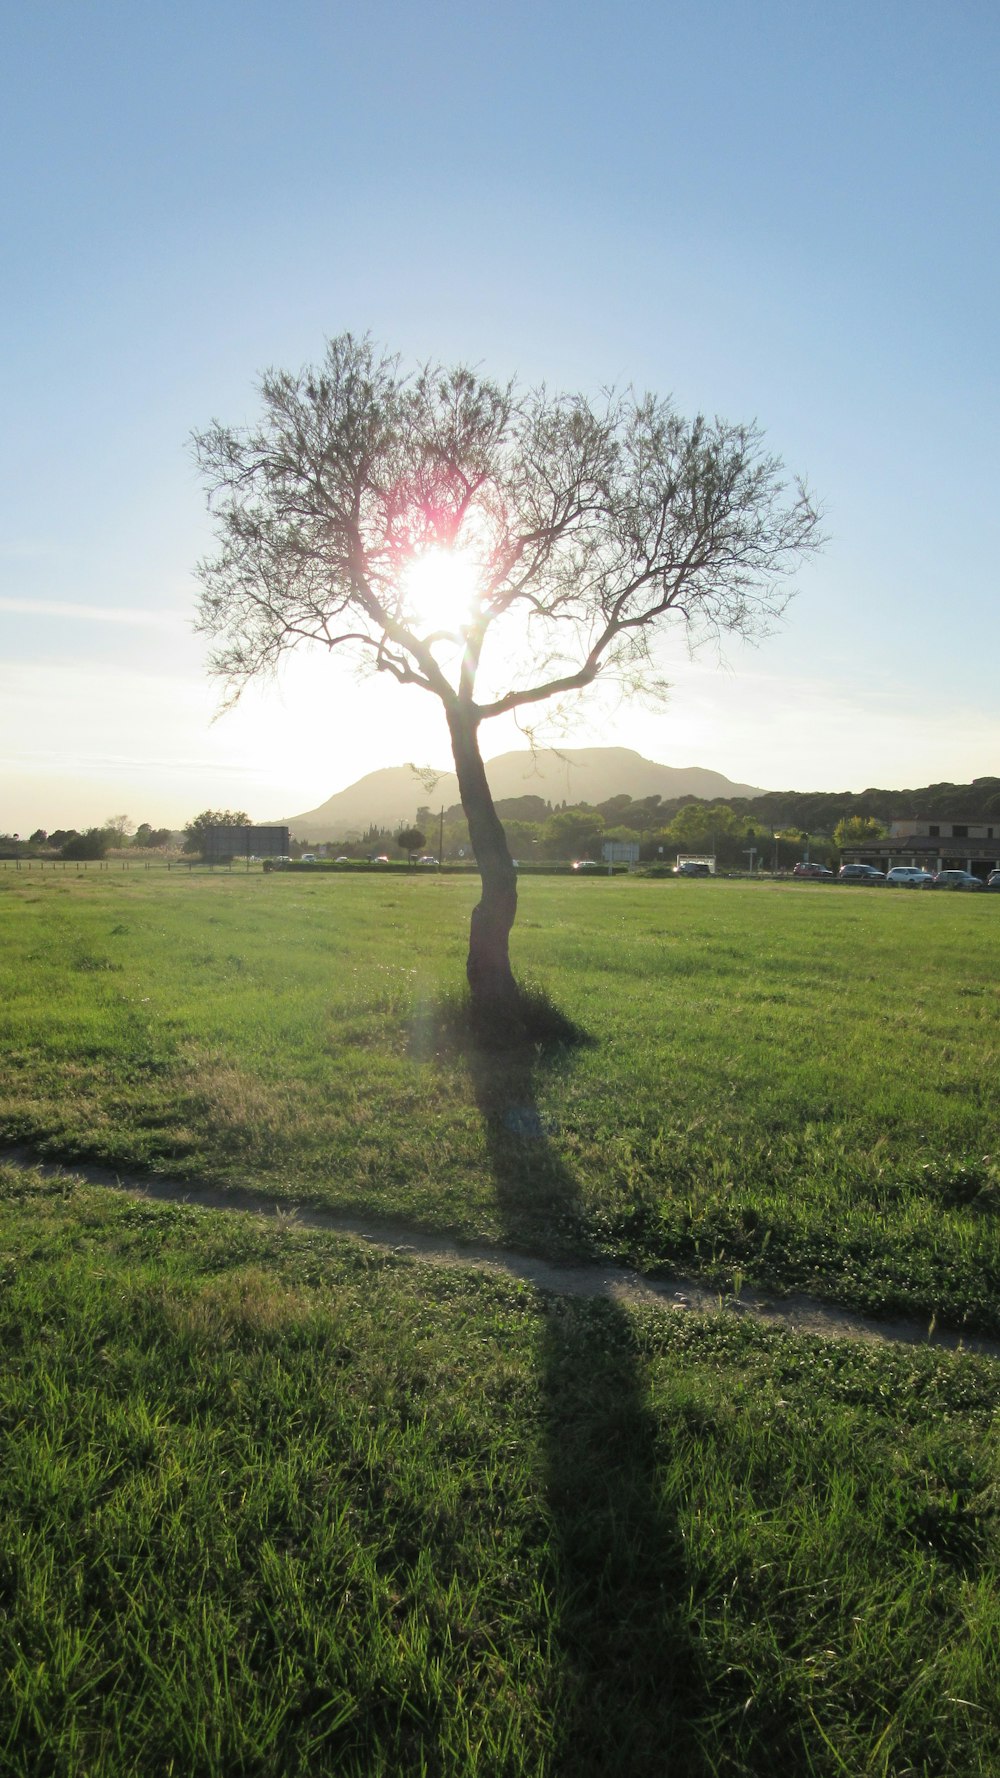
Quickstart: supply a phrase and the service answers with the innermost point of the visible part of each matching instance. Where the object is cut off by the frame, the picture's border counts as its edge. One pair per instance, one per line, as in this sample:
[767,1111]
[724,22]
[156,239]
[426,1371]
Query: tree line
[579,830]
[776,824]
[116,833]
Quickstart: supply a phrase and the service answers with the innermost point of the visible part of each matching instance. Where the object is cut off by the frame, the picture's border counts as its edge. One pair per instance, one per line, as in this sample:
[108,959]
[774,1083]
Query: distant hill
[390,797]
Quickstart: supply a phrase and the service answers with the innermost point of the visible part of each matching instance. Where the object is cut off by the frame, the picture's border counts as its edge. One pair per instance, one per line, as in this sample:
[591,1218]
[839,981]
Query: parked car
[909,876]
[427,858]
[692,868]
[993,880]
[308,858]
[860,873]
[585,864]
[957,879]
[818,871]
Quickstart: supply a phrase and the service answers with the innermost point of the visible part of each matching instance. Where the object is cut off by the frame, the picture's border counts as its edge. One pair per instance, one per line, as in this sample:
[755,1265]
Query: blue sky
[776,211]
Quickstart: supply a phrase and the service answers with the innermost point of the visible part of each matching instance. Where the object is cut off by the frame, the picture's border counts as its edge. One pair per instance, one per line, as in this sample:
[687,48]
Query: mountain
[390,798]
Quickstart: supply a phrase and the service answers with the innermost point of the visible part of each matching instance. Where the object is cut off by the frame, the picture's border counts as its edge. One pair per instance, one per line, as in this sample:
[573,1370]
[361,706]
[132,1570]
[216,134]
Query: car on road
[909,876]
[957,879]
[427,858]
[585,864]
[993,880]
[860,873]
[818,872]
[308,858]
[691,867]
[380,858]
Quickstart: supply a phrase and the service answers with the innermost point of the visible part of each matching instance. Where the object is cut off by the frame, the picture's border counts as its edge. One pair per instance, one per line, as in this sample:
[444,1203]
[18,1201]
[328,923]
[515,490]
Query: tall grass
[274,1504]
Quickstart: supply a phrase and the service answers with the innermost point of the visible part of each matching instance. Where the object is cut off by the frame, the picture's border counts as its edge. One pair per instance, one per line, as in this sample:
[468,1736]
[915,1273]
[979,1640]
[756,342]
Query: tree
[570,832]
[194,832]
[146,837]
[496,547]
[410,840]
[857,830]
[701,827]
[91,844]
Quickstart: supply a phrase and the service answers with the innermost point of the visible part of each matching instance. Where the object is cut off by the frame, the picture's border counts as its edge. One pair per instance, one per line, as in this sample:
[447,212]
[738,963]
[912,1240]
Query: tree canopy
[857,830]
[497,547]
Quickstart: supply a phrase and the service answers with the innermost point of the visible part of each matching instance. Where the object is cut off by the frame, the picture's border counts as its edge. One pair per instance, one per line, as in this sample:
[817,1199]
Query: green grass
[794,1085]
[272,1503]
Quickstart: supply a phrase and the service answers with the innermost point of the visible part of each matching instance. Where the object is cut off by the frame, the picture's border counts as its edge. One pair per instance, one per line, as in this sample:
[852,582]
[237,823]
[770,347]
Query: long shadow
[631,1690]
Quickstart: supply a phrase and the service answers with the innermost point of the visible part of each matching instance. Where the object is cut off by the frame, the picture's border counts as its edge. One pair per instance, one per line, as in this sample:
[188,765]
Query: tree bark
[491,980]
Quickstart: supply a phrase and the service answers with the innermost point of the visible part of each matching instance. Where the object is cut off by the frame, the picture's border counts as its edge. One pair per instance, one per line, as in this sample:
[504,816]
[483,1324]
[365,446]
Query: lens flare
[439,590]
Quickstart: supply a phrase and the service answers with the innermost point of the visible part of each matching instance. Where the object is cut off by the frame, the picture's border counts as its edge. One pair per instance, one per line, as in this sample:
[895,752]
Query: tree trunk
[494,990]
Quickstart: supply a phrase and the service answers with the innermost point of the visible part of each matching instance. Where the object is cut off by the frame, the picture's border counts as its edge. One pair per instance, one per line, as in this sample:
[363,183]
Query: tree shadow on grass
[630,1684]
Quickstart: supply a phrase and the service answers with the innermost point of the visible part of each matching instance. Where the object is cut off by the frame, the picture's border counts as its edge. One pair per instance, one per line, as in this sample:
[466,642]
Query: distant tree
[570,833]
[858,830]
[91,844]
[522,837]
[497,548]
[701,827]
[118,826]
[410,840]
[38,838]
[59,836]
[194,832]
[147,837]
[522,808]
[614,808]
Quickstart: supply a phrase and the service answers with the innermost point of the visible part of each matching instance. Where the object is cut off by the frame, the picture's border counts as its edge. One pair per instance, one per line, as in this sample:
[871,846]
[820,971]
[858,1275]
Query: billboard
[220,843]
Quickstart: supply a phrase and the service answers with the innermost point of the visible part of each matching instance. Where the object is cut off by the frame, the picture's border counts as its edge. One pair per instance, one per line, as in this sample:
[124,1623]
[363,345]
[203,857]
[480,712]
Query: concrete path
[800,1314]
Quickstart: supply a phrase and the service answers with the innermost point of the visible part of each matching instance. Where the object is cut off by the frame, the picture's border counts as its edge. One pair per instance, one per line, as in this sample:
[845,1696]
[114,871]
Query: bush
[92,844]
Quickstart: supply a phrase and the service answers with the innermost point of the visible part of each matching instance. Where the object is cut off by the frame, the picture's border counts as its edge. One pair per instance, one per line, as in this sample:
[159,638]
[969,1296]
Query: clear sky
[777,211]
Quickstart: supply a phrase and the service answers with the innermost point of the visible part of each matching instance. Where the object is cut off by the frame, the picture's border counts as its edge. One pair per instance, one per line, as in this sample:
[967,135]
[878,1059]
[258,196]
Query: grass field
[276,1505]
[797,1085]
[272,1504]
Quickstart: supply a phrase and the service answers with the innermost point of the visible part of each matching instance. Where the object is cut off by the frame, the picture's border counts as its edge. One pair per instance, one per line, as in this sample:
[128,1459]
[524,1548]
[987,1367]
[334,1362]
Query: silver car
[909,876]
[957,879]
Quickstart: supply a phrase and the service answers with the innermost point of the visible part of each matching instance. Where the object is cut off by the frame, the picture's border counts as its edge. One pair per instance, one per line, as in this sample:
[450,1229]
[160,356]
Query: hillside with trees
[774,825]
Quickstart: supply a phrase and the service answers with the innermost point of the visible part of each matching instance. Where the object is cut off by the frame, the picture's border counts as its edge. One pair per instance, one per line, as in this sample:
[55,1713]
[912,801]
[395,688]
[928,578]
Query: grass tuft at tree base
[461,1025]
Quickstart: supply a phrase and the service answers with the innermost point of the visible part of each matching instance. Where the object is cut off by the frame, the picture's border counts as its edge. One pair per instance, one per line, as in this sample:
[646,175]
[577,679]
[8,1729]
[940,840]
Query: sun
[440,587]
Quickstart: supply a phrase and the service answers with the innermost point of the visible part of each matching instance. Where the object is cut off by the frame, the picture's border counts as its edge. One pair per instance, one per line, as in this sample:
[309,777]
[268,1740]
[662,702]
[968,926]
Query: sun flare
[439,589]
